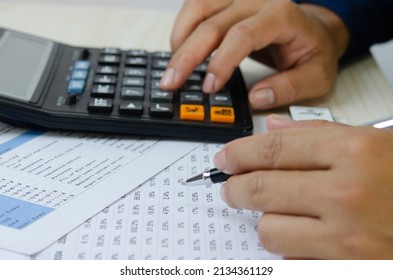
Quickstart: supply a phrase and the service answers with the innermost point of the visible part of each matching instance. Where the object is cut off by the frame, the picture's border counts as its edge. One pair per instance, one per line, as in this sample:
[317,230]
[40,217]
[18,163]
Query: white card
[383,54]
[304,113]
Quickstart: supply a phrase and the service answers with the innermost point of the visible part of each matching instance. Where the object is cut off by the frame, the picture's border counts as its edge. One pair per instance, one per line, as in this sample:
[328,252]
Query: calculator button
[84,55]
[108,70]
[157,74]
[105,79]
[161,96]
[79,75]
[160,63]
[135,72]
[81,65]
[109,59]
[139,82]
[100,105]
[222,114]
[76,86]
[155,84]
[136,53]
[191,98]
[220,99]
[136,61]
[192,112]
[161,109]
[166,55]
[131,107]
[71,99]
[195,77]
[192,86]
[103,91]
[132,93]
[111,51]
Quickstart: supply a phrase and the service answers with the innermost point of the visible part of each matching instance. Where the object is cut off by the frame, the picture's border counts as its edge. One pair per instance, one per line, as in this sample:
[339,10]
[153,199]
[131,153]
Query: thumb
[309,80]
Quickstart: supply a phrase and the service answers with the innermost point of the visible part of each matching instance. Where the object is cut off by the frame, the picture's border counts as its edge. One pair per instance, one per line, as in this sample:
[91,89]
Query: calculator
[50,85]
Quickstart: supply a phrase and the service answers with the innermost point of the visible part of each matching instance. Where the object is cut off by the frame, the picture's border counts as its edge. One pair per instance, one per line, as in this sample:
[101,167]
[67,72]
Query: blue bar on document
[18,214]
[19,140]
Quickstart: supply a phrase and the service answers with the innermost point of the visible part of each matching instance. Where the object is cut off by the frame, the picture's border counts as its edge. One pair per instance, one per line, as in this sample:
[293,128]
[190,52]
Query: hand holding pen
[216,176]
[326,189]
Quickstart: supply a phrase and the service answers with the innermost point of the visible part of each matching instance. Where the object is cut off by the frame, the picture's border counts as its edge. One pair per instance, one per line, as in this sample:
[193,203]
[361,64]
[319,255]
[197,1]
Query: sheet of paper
[164,219]
[51,182]
[383,54]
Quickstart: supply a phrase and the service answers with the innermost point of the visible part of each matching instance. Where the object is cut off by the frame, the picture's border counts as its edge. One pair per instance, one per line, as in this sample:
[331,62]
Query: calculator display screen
[23,60]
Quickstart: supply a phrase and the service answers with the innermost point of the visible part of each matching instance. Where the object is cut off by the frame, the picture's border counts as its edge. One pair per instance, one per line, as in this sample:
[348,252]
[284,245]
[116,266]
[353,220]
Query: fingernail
[280,119]
[168,78]
[263,98]
[276,117]
[208,83]
[224,198]
[220,160]
[275,121]
[222,193]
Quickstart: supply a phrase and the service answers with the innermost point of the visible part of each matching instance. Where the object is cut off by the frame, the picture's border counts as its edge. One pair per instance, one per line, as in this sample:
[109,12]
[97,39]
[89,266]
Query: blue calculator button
[82,65]
[79,75]
[76,86]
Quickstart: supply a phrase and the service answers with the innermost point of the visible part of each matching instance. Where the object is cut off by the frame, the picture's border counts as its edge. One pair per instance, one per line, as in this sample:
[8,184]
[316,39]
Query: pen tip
[196,180]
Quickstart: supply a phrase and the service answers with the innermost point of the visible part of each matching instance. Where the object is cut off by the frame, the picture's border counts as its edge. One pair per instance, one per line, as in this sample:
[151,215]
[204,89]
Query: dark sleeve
[368,21]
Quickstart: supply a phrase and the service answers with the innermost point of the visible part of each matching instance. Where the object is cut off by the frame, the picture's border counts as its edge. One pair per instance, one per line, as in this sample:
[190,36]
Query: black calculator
[49,85]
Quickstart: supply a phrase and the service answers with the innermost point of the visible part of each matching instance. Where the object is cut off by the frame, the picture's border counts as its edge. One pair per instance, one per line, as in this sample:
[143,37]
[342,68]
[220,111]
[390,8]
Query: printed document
[51,182]
[164,219]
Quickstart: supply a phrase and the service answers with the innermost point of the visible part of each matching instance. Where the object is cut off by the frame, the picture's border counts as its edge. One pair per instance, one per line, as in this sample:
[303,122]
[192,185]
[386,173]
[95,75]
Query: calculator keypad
[127,83]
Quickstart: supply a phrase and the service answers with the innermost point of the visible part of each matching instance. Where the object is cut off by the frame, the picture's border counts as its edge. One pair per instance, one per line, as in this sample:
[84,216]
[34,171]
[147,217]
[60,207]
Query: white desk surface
[360,95]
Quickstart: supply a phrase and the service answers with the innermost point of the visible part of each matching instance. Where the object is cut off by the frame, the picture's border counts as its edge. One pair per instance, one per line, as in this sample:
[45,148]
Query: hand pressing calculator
[45,84]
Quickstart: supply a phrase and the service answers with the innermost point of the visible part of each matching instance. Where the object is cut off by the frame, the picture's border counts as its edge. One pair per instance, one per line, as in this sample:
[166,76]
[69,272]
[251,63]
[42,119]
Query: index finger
[292,149]
[191,14]
[198,46]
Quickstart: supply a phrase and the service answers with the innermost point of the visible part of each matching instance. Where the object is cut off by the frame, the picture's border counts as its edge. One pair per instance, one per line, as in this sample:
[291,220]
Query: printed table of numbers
[165,219]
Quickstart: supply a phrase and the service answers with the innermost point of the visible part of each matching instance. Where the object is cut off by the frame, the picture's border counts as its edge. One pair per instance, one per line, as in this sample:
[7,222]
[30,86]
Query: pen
[384,123]
[212,176]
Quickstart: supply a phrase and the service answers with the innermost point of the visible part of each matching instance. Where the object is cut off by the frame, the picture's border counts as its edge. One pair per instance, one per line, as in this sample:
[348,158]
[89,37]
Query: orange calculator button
[192,112]
[222,114]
